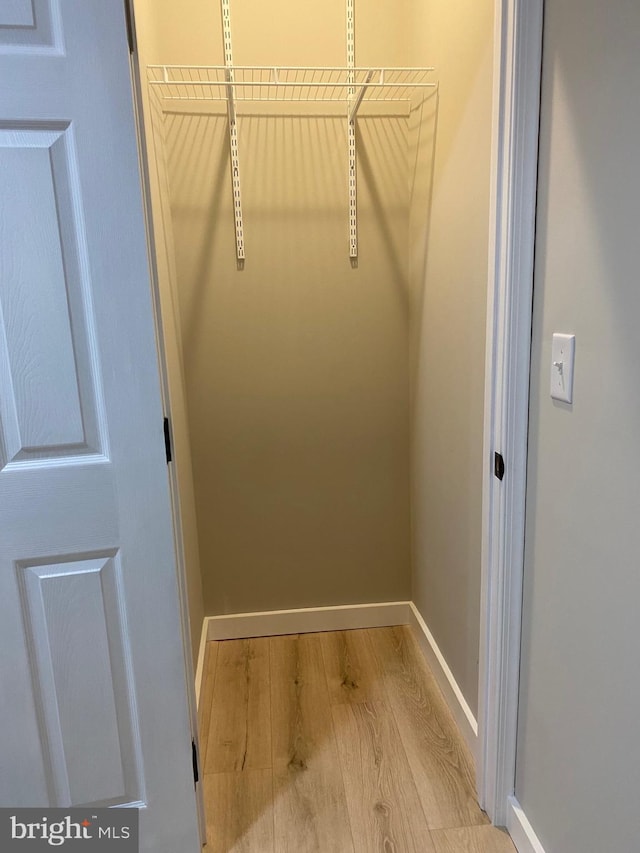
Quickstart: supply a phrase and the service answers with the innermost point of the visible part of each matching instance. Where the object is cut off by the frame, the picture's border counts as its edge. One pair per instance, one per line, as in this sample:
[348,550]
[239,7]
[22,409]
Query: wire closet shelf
[349,86]
[290,83]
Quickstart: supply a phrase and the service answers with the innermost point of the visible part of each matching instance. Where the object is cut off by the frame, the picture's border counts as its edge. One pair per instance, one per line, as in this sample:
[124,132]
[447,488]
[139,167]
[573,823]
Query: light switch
[562,356]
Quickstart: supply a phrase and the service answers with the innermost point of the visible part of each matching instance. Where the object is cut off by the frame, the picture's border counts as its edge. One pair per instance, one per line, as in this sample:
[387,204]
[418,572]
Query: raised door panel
[30,26]
[17,13]
[50,406]
[82,683]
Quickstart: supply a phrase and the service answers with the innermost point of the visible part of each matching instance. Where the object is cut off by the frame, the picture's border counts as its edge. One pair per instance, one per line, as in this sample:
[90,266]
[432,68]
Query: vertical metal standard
[351,134]
[233,132]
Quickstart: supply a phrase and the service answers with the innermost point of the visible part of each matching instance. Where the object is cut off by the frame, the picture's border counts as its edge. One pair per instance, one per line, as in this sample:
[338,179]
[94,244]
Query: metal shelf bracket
[357,100]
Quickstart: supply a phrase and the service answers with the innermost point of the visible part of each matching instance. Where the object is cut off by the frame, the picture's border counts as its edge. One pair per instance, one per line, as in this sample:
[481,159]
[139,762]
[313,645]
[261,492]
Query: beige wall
[296,367]
[578,768]
[281,32]
[449,284]
[150,50]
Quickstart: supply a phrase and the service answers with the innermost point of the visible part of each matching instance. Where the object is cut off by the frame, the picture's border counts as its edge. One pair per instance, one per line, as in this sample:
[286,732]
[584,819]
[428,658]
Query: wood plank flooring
[309,806]
[334,743]
[240,723]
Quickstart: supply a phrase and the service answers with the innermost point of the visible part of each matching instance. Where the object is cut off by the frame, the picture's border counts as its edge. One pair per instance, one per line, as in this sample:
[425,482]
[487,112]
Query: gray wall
[449,286]
[578,770]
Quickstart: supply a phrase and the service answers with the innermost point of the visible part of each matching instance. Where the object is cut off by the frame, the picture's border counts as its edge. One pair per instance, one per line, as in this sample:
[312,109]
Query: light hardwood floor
[334,743]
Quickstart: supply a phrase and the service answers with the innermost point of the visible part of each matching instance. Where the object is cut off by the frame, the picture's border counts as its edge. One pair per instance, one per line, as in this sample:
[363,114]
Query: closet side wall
[151,48]
[297,366]
[449,246]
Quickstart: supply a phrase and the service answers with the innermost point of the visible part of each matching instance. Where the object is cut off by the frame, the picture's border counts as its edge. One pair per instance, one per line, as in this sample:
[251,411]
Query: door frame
[514,162]
[513,182]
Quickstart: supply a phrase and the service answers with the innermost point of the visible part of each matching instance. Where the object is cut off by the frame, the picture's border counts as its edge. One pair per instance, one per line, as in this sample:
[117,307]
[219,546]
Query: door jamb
[516,108]
[181,574]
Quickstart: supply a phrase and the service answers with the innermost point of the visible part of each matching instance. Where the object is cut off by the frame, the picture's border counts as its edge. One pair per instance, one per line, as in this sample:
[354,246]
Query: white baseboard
[200,664]
[307,620]
[520,830]
[467,723]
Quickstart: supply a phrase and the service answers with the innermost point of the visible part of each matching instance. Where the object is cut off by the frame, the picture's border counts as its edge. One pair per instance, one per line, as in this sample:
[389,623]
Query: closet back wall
[297,367]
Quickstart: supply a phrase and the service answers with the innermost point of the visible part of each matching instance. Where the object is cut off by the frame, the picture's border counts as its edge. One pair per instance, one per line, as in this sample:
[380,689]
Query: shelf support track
[351,135]
[353,195]
[233,133]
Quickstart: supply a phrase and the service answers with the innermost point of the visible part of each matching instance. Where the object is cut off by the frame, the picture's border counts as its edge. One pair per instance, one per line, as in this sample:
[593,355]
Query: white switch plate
[563,351]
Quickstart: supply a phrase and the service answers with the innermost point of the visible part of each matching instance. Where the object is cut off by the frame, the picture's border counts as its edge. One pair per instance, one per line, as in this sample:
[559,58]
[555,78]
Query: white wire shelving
[290,83]
[349,85]
[241,84]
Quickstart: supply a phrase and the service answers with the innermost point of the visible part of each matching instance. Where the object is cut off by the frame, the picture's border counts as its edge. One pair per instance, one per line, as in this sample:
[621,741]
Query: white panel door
[93,705]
